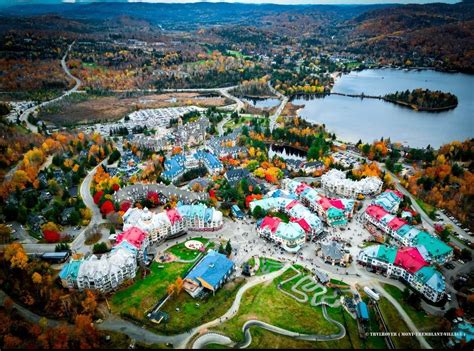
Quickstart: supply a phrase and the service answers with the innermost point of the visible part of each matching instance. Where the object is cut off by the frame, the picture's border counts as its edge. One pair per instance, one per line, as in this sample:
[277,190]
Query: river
[369,119]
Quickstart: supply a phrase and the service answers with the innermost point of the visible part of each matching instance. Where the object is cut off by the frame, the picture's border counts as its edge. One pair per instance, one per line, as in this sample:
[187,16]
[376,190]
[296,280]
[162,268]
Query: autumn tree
[179,285]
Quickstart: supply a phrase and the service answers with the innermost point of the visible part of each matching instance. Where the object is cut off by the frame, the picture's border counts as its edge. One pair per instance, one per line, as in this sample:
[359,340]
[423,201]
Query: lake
[287,152]
[262,103]
[369,119]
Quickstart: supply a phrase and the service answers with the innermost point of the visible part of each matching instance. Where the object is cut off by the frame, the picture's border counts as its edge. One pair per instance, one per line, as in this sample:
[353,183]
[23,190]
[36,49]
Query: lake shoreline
[398,102]
[371,119]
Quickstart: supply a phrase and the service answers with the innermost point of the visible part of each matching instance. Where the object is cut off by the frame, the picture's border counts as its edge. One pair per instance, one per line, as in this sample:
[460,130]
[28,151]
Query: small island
[424,100]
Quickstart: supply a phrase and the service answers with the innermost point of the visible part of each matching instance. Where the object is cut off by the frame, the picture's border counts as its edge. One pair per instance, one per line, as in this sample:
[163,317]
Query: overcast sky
[16,2]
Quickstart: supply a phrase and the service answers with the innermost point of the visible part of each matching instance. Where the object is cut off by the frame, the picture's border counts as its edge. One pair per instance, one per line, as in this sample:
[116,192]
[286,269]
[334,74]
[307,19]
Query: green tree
[228,248]
[258,212]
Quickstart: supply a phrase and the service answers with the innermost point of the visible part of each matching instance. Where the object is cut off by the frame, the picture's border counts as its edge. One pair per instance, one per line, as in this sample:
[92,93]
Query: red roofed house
[177,225]
[270,223]
[396,224]
[137,238]
[410,259]
[303,224]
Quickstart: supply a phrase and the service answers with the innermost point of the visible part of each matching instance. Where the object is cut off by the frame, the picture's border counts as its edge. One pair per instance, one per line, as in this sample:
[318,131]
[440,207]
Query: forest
[424,99]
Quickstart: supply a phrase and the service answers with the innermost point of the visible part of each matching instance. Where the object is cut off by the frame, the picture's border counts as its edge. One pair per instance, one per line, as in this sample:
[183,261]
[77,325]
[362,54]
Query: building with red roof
[410,259]
[137,238]
[396,223]
[270,223]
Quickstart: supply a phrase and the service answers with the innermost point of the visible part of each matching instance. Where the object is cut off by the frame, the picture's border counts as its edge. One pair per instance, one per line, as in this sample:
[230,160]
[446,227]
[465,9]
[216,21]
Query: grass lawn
[396,324]
[427,208]
[268,265]
[423,321]
[268,304]
[182,252]
[138,298]
[232,125]
[191,315]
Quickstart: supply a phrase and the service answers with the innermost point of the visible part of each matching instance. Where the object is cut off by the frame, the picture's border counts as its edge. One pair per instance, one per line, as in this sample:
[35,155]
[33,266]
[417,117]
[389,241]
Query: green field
[138,298]
[268,304]
[183,253]
[397,325]
[422,320]
[237,54]
[242,120]
[269,266]
[89,64]
[194,312]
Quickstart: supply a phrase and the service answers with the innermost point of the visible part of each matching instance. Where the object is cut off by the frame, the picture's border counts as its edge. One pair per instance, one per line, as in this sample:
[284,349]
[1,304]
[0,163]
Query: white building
[105,273]
[408,264]
[163,225]
[335,182]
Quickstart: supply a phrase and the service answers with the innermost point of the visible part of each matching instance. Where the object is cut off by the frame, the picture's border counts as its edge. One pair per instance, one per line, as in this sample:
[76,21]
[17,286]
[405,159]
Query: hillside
[436,35]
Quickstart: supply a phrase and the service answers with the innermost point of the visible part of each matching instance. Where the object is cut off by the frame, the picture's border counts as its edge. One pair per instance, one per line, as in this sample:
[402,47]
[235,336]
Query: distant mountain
[440,33]
[190,14]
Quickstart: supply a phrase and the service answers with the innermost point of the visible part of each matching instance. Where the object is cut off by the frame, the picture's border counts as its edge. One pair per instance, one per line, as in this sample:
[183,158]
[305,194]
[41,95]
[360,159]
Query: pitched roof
[212,269]
[386,253]
[410,259]
[396,223]
[333,250]
[133,235]
[376,212]
[271,222]
[431,277]
[434,246]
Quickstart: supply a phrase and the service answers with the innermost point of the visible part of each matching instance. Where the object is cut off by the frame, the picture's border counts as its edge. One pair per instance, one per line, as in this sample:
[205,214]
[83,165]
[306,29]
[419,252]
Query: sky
[284,2]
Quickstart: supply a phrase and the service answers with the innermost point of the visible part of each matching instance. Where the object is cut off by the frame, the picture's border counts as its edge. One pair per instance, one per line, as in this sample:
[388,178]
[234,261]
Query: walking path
[424,344]
[311,286]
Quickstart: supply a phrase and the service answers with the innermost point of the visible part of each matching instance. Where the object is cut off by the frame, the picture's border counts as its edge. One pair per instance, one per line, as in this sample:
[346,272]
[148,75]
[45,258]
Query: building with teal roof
[336,217]
[436,250]
[387,253]
[389,201]
[69,273]
[432,281]
[462,332]
[396,262]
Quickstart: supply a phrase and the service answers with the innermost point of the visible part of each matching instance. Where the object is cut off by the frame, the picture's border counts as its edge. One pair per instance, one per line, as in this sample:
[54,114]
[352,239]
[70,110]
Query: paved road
[284,100]
[78,243]
[27,314]
[427,221]
[24,116]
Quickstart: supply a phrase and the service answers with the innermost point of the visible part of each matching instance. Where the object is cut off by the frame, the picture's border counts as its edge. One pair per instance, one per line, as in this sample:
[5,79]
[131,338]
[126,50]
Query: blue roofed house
[237,212]
[174,167]
[209,274]
[69,273]
[362,311]
[212,163]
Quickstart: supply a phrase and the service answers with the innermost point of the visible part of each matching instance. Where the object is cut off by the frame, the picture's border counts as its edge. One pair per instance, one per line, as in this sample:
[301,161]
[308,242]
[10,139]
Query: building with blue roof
[237,212]
[69,273]
[174,167]
[209,274]
[362,311]
[389,201]
[212,163]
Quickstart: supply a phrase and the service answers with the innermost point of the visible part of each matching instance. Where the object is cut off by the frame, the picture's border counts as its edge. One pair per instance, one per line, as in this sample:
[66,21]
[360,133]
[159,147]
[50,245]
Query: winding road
[24,116]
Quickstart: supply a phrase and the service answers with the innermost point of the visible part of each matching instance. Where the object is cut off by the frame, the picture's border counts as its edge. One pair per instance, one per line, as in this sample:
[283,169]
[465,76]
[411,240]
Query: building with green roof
[432,248]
